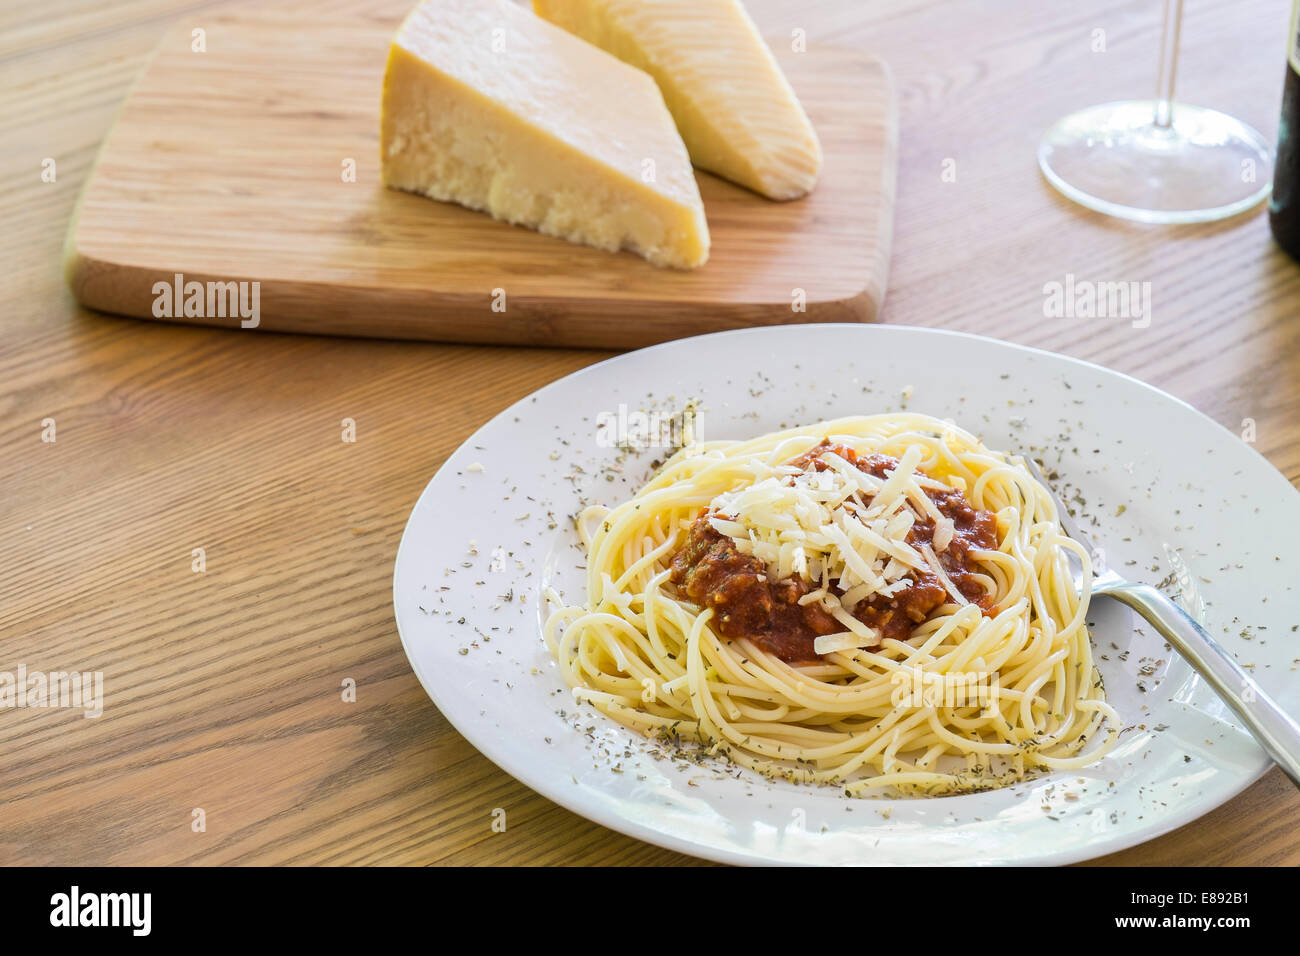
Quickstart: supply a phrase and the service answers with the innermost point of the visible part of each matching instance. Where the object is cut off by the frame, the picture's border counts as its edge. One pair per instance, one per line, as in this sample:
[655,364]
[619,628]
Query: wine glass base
[1114,159]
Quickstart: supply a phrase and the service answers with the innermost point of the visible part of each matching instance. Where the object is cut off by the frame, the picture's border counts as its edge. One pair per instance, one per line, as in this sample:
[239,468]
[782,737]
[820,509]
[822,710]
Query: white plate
[1190,491]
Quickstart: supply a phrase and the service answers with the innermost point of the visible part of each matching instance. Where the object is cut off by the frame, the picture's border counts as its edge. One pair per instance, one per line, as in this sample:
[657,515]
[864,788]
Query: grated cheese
[942,575]
[838,527]
[844,641]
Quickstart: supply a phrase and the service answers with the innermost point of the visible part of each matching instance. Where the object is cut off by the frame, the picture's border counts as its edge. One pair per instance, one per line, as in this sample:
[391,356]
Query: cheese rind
[489,106]
[732,104]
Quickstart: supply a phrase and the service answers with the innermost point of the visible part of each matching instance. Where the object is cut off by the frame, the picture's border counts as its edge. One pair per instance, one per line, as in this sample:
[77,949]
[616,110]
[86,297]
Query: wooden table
[223,688]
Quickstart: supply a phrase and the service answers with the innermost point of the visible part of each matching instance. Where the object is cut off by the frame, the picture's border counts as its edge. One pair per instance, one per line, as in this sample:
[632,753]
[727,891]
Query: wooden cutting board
[229,165]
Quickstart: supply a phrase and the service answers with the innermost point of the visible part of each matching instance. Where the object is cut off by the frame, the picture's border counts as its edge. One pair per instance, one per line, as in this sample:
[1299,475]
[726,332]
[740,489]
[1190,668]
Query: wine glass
[1154,161]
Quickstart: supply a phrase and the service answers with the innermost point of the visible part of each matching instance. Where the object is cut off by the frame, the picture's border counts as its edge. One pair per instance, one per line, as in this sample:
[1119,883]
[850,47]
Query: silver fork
[1276,732]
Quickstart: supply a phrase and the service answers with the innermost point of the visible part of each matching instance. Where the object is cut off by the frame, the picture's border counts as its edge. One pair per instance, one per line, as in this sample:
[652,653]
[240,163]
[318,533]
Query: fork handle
[1276,732]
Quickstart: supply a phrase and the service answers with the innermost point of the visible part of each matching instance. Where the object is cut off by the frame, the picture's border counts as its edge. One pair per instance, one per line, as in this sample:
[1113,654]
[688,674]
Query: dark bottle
[1284,209]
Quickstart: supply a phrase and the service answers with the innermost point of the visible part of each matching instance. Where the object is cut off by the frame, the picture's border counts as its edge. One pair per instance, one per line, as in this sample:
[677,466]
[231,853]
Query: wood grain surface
[228,165]
[223,688]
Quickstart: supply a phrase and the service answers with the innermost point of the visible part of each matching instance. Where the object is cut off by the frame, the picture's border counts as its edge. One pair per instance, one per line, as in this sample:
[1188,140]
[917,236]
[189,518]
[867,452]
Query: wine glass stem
[1168,63]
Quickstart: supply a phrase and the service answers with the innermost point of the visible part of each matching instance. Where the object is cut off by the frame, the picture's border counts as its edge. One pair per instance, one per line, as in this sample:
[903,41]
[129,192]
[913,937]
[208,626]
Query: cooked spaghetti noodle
[873,602]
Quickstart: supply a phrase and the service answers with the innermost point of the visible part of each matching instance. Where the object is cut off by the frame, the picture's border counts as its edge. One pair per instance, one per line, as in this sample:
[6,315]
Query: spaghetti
[873,602]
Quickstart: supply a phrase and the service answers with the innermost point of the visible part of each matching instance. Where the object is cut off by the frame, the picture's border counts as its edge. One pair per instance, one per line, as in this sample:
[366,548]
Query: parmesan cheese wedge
[733,105]
[489,106]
